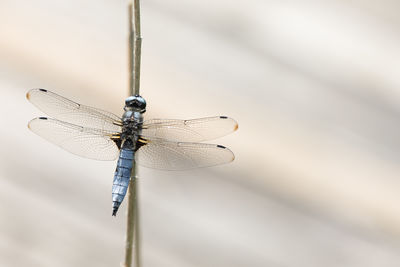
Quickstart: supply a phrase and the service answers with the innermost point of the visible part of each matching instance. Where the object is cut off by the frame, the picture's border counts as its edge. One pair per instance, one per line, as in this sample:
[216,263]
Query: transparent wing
[196,130]
[81,141]
[165,155]
[64,109]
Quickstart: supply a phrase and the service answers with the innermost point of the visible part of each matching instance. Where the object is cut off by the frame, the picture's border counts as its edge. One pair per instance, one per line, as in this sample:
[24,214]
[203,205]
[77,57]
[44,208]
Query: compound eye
[139,104]
[136,102]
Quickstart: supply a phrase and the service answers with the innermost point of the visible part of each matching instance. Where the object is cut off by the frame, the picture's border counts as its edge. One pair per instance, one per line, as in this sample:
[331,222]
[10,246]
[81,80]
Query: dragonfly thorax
[132,119]
[132,122]
[131,116]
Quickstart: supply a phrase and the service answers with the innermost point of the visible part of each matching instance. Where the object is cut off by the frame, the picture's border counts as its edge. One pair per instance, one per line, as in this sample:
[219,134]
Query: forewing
[64,109]
[196,130]
[165,155]
[81,141]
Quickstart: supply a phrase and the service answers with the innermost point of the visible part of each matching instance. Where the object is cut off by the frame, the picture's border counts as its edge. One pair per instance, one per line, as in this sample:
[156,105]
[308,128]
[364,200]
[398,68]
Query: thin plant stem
[132,229]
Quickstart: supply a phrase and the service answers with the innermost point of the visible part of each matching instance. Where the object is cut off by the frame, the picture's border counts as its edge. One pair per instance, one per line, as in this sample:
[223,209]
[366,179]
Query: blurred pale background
[314,85]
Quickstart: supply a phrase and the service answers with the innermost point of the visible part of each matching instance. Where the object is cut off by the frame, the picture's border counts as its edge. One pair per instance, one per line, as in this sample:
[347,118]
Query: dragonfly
[165,144]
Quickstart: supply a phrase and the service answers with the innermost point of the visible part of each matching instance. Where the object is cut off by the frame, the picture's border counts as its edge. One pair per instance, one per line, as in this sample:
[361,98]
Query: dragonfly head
[135,103]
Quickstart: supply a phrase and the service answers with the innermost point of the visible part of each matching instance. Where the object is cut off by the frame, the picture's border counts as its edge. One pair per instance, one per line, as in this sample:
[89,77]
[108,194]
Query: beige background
[314,85]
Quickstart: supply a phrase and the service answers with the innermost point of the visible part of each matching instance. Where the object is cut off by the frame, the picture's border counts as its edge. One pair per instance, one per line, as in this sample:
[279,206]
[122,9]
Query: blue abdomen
[121,177]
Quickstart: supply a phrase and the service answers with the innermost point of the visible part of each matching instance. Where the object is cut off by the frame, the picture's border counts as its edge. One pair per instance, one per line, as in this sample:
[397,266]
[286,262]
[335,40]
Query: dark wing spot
[223,117]
[118,142]
[43,90]
[221,146]
[42,118]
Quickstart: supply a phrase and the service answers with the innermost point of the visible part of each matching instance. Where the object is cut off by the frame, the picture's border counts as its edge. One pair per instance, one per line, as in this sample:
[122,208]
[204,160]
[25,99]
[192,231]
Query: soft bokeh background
[314,85]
